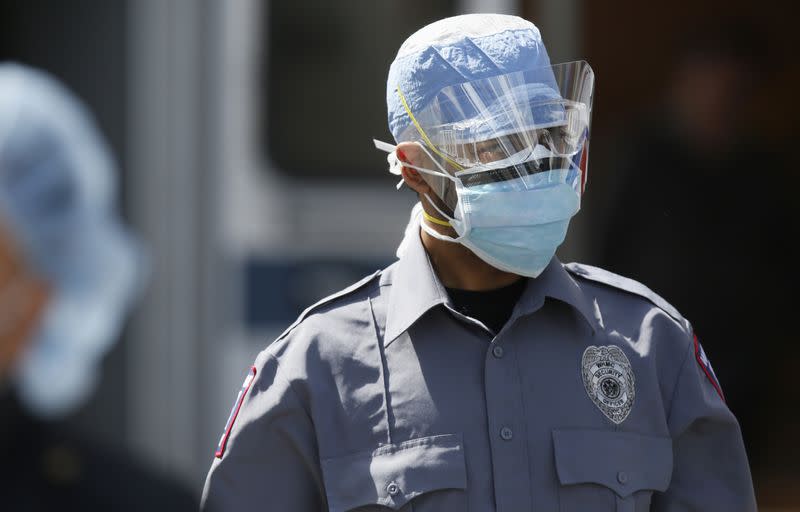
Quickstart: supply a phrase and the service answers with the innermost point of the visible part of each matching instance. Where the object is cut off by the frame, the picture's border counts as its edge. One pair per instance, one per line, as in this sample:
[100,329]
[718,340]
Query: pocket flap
[623,461]
[394,474]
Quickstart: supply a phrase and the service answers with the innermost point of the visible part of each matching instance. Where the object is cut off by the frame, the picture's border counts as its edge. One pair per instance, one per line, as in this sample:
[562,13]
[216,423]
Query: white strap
[395,163]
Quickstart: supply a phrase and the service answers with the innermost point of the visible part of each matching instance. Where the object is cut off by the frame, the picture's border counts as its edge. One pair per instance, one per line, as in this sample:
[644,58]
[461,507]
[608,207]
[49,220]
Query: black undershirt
[492,307]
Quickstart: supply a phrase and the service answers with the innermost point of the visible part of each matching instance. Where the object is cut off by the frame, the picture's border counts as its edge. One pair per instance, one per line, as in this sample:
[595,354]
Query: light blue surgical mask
[514,225]
[516,229]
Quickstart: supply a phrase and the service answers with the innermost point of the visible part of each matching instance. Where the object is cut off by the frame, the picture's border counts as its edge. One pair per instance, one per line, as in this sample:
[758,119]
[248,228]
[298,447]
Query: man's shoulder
[633,316]
[624,288]
[342,319]
[336,336]
[340,306]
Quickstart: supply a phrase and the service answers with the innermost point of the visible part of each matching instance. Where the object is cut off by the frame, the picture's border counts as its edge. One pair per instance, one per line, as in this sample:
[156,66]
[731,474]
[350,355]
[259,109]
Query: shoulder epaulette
[623,283]
[330,298]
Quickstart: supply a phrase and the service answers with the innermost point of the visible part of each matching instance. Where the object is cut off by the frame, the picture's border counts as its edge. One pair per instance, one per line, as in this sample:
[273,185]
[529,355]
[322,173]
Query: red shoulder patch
[223,441]
[705,364]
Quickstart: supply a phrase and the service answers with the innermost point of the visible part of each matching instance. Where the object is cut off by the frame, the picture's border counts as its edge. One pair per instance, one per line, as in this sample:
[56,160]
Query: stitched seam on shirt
[412,443]
[441,440]
[384,371]
[689,352]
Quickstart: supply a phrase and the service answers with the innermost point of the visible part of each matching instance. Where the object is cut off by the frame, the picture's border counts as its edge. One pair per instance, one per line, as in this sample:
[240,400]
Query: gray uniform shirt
[595,396]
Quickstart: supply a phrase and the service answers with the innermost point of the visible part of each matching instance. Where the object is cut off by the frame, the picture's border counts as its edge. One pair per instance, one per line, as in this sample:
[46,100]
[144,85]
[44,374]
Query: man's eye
[490,150]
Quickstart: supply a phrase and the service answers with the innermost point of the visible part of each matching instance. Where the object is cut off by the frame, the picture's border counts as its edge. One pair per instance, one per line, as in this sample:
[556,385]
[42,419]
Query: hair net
[455,51]
[57,197]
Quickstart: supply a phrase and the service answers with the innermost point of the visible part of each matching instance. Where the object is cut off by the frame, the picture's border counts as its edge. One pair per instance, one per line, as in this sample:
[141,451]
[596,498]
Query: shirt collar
[556,283]
[415,289]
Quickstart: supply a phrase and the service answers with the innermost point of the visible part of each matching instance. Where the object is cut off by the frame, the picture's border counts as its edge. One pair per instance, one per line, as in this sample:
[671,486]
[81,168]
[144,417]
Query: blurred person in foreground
[478,372]
[69,272]
[701,213]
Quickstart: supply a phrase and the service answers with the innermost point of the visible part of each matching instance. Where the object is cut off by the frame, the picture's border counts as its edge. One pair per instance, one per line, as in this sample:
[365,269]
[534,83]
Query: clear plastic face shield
[508,129]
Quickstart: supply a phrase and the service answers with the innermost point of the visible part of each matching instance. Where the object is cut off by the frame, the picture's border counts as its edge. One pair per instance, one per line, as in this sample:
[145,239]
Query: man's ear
[412,153]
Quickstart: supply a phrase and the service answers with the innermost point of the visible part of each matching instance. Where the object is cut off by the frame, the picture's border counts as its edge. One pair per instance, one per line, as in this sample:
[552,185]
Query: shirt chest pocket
[421,475]
[610,471]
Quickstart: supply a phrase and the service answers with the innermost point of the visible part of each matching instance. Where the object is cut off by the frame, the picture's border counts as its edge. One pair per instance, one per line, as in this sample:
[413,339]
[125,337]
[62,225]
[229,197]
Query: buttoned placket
[506,414]
[506,419]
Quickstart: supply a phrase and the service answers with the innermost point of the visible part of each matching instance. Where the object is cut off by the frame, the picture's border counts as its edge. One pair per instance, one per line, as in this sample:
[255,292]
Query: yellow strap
[434,219]
[423,134]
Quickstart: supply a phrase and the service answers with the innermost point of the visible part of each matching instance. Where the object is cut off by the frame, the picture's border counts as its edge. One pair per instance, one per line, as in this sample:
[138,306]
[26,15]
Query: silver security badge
[608,379]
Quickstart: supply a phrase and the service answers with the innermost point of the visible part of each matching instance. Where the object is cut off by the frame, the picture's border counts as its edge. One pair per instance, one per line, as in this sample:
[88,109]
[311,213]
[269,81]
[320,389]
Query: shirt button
[622,477]
[506,433]
[497,351]
[393,489]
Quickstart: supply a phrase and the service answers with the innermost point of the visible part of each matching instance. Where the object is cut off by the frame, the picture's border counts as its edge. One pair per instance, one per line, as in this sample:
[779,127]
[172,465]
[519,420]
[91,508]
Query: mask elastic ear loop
[433,219]
[446,216]
[437,235]
[432,231]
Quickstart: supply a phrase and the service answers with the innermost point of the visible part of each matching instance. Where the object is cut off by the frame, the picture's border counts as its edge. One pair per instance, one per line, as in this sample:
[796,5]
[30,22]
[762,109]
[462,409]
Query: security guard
[478,372]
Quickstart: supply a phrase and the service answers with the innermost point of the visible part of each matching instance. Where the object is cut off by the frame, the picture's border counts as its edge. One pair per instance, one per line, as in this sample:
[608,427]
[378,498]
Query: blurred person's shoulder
[125,482]
[60,466]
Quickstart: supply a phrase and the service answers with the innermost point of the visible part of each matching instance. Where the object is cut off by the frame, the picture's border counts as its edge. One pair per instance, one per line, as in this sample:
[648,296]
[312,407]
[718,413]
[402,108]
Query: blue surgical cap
[454,51]
[57,201]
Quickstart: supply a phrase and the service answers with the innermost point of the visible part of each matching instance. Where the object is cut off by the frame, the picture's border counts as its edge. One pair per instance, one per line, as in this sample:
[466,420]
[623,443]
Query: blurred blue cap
[454,51]
[57,200]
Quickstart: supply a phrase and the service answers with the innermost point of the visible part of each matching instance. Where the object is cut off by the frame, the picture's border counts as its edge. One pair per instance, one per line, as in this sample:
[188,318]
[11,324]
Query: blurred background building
[244,129]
